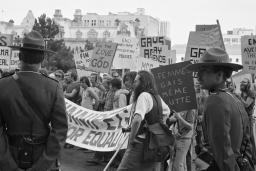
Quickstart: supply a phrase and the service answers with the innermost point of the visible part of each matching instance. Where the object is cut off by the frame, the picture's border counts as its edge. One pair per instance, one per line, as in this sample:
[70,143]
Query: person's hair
[86,80]
[73,75]
[130,75]
[227,72]
[116,83]
[147,84]
[31,56]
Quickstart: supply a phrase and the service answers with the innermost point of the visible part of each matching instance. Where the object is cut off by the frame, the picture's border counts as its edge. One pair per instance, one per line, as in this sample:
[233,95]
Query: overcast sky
[183,15]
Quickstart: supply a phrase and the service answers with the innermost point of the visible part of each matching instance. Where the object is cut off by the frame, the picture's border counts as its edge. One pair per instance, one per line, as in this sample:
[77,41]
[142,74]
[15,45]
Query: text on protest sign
[248,47]
[154,48]
[176,87]
[5,54]
[98,131]
[6,39]
[125,53]
[200,41]
[102,57]
[82,61]
[146,64]
[14,62]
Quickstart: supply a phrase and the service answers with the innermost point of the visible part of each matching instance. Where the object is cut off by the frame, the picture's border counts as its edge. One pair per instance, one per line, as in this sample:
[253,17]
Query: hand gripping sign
[102,57]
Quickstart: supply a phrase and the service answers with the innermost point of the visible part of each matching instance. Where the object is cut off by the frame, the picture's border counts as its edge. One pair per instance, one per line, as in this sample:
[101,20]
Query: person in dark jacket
[225,120]
[33,122]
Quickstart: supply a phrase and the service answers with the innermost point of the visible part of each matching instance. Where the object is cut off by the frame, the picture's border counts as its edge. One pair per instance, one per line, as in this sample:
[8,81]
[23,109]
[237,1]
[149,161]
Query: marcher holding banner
[33,122]
[225,119]
[145,110]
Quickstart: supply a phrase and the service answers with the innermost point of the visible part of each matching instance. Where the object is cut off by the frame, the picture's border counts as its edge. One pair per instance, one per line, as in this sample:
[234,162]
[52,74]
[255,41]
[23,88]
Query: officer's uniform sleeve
[218,130]
[7,163]
[58,133]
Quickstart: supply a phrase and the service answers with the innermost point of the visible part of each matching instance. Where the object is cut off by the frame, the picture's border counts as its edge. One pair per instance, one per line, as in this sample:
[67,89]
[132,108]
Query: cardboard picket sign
[6,39]
[5,55]
[102,57]
[82,61]
[176,87]
[14,61]
[248,48]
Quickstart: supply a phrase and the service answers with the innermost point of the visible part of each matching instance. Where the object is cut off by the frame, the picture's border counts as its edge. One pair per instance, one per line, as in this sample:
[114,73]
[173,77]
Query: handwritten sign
[154,48]
[14,61]
[145,64]
[102,57]
[125,56]
[248,47]
[176,87]
[82,61]
[6,39]
[5,54]
[200,41]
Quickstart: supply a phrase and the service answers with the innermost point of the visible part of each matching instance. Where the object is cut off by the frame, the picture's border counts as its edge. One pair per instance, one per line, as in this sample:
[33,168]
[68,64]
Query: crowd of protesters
[219,133]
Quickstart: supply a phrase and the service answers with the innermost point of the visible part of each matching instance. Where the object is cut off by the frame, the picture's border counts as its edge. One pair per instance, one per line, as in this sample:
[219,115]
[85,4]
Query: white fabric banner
[97,131]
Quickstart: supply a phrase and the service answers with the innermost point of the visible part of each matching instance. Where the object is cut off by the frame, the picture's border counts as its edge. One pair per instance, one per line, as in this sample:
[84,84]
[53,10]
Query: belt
[16,140]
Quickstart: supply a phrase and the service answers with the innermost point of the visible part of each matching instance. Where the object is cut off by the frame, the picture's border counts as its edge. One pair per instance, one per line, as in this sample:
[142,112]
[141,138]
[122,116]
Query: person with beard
[226,123]
[144,107]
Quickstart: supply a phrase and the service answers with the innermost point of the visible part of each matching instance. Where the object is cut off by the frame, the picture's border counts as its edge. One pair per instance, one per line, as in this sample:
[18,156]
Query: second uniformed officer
[33,123]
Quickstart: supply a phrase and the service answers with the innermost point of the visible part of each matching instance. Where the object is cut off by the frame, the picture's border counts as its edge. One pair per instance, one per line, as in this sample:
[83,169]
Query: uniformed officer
[33,123]
[225,119]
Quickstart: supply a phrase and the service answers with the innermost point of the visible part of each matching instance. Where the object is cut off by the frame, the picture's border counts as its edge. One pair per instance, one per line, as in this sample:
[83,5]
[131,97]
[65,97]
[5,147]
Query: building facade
[233,37]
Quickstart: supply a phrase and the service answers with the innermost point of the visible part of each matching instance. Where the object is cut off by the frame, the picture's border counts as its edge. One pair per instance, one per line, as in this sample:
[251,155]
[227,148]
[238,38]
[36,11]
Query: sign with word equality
[200,41]
[82,61]
[14,61]
[176,87]
[125,57]
[154,48]
[248,47]
[102,57]
[5,55]
[6,39]
[97,131]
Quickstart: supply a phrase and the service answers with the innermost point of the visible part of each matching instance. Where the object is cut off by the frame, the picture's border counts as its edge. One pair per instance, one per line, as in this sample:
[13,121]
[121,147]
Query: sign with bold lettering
[97,131]
[14,62]
[125,57]
[248,45]
[154,48]
[5,55]
[200,41]
[82,61]
[176,87]
[102,57]
[6,39]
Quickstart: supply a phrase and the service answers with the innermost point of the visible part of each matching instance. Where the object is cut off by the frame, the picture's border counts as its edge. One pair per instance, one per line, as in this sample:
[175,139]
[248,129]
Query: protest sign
[82,61]
[248,47]
[206,27]
[125,57]
[5,55]
[102,57]
[14,61]
[97,131]
[6,39]
[146,64]
[200,41]
[175,86]
[154,48]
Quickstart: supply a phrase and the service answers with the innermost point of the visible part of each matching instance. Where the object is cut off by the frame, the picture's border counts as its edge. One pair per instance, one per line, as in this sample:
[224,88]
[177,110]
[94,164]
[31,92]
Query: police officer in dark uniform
[33,122]
[225,121]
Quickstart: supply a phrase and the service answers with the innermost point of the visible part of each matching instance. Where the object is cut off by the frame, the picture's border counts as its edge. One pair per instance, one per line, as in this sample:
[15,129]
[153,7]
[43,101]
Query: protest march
[124,102]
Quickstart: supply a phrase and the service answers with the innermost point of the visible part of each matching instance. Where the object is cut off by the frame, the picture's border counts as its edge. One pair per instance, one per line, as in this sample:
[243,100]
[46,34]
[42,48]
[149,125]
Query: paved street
[75,160]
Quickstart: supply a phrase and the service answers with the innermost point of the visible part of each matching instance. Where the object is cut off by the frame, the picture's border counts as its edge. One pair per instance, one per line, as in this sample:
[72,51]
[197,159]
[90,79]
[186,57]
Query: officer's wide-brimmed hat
[214,57]
[33,41]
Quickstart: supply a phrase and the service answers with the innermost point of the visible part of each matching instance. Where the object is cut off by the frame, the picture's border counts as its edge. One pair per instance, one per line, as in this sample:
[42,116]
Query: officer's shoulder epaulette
[50,77]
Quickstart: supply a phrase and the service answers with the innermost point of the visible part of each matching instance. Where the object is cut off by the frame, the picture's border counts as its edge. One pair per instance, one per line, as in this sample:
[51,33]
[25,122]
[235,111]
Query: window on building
[87,22]
[226,39]
[182,59]
[93,22]
[108,23]
[101,22]
[79,34]
[237,60]
[106,34]
[235,40]
[92,34]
